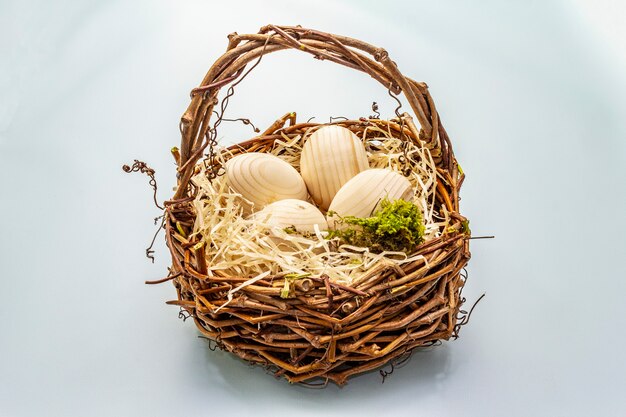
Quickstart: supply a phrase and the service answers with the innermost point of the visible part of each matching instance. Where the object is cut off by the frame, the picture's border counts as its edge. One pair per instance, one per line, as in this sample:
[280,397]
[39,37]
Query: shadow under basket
[324,331]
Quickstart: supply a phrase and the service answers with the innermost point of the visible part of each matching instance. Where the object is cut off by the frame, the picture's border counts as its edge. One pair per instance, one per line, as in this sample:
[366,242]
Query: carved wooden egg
[330,157]
[301,215]
[263,178]
[361,195]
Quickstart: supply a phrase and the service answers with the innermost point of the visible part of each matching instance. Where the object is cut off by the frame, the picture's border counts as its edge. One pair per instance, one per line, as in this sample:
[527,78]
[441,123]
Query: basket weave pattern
[324,330]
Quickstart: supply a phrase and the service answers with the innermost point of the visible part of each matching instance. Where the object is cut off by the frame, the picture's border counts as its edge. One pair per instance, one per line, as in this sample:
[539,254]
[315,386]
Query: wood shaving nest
[237,246]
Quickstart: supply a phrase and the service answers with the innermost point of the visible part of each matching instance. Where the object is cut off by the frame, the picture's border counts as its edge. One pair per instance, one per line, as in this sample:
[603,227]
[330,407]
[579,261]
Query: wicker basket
[325,331]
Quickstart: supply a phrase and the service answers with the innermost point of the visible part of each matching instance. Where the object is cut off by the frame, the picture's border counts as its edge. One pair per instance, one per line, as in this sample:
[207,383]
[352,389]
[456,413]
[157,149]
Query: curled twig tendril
[245,122]
[139,166]
[376,114]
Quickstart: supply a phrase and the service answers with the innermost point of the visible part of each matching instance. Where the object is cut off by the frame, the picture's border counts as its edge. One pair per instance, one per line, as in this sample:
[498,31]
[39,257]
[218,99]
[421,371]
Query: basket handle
[242,49]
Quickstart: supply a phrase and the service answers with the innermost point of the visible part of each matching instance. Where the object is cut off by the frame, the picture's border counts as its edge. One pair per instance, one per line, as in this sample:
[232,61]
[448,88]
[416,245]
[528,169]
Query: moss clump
[395,226]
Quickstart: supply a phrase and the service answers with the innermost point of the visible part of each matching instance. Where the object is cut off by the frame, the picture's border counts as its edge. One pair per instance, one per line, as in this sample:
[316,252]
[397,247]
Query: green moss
[287,286]
[290,230]
[465,227]
[395,226]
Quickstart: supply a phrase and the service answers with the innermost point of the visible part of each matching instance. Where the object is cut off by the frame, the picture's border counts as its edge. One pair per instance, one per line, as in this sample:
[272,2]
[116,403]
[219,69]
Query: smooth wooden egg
[330,157]
[361,195]
[291,212]
[263,178]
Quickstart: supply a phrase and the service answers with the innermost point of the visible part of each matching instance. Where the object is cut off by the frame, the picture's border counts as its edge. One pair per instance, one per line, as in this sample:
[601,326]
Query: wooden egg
[291,212]
[263,178]
[330,157]
[361,195]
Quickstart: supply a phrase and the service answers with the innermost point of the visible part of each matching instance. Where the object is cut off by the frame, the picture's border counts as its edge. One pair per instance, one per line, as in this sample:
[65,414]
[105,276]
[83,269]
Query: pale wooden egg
[330,157]
[263,178]
[299,214]
[361,195]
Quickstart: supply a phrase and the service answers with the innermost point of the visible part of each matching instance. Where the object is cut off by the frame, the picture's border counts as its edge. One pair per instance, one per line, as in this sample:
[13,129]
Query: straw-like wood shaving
[238,246]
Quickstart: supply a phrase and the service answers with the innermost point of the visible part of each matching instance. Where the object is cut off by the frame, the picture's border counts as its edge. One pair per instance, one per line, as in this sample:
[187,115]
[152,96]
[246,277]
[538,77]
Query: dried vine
[142,167]
[139,166]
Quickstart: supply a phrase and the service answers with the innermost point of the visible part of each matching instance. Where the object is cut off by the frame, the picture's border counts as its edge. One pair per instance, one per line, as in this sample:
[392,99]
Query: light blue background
[531,93]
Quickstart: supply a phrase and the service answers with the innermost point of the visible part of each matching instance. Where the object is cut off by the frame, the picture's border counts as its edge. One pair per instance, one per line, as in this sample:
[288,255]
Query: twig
[139,166]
